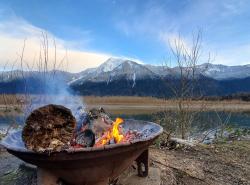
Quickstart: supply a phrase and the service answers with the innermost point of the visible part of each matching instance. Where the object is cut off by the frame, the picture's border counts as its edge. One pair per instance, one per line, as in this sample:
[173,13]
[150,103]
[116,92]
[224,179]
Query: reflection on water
[204,120]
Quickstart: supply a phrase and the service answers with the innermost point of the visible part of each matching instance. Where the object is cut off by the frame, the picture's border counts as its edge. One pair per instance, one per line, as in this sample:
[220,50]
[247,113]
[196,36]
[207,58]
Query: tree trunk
[49,128]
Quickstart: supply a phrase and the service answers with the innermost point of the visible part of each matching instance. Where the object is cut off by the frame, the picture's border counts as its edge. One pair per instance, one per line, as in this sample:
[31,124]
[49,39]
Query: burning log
[100,121]
[96,120]
[114,134]
[85,138]
[49,128]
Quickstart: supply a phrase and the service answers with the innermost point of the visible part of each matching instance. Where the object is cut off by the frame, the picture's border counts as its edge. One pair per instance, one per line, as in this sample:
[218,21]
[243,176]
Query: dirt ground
[220,164]
[217,164]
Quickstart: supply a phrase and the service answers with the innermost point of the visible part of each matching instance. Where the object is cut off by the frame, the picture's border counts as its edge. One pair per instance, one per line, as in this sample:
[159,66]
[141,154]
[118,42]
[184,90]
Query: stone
[153,178]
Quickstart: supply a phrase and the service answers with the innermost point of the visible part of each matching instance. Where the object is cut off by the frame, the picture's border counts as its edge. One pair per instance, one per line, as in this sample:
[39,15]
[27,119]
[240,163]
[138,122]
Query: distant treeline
[236,96]
[206,88]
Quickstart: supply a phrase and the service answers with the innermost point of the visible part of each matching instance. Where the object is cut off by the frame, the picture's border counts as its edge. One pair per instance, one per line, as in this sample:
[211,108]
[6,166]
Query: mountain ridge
[216,71]
[119,76]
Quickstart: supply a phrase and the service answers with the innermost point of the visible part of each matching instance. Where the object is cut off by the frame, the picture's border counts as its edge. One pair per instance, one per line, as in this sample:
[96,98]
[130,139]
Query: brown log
[100,121]
[49,128]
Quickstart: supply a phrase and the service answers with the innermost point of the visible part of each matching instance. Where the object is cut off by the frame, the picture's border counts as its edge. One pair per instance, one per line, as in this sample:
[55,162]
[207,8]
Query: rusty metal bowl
[93,165]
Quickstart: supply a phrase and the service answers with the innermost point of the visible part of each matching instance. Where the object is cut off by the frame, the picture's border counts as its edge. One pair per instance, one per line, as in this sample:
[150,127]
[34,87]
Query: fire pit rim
[88,149]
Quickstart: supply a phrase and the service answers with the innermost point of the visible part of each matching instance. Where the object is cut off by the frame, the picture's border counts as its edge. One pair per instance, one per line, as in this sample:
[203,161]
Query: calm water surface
[203,120]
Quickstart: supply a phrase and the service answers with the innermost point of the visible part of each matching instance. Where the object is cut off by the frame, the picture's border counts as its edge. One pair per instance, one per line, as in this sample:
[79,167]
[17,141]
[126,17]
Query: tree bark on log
[49,128]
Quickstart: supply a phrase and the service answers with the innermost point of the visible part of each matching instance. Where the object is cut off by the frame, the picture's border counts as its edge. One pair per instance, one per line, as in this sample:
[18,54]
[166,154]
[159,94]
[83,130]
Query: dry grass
[156,103]
[123,100]
[9,99]
[139,105]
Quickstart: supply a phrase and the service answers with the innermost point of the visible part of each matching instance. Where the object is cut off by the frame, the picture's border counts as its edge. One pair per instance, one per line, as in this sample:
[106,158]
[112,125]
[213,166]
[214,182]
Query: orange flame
[113,133]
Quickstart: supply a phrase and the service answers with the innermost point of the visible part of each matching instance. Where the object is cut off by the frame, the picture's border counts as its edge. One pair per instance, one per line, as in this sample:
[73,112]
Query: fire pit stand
[89,166]
[142,164]
[45,177]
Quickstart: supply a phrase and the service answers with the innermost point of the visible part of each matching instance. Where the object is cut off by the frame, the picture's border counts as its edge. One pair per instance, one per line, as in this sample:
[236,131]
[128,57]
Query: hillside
[127,78]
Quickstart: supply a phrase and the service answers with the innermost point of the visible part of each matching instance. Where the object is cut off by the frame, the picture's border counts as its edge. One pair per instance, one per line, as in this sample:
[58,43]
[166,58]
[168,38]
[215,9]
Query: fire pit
[91,165]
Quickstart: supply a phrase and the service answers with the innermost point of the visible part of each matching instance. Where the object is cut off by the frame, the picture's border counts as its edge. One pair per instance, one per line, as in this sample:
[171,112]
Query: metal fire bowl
[93,165]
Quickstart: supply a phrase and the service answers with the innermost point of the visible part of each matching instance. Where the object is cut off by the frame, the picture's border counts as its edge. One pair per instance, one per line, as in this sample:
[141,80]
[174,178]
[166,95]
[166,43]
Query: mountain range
[118,76]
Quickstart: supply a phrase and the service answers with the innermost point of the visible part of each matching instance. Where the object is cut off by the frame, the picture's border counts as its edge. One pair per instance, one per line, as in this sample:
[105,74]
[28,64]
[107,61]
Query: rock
[154,178]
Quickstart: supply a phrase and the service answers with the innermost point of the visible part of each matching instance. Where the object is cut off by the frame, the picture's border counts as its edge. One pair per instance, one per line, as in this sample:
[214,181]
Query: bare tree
[223,122]
[182,81]
[46,67]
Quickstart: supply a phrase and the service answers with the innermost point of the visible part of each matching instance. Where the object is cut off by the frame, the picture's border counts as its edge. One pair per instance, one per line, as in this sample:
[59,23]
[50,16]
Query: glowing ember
[96,129]
[114,133]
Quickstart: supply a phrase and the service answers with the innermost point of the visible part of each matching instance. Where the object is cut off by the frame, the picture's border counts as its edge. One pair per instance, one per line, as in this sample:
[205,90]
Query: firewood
[96,120]
[85,138]
[49,128]
[100,121]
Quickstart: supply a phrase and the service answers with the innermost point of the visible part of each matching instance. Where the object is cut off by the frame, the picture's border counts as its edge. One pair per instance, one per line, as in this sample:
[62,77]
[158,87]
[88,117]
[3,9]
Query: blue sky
[137,29]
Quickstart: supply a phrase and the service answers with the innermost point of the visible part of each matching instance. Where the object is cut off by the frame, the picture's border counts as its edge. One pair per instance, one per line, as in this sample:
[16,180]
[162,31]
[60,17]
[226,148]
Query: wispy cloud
[163,21]
[137,29]
[13,32]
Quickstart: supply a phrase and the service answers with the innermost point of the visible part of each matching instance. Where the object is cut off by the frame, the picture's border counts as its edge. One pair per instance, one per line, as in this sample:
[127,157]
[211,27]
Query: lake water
[203,121]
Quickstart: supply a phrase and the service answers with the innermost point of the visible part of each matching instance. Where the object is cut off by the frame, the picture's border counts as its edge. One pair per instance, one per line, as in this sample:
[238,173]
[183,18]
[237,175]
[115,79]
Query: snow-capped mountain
[114,69]
[221,72]
[131,71]
[125,77]
[98,72]
[117,68]
[159,70]
[109,65]
[7,76]
[215,71]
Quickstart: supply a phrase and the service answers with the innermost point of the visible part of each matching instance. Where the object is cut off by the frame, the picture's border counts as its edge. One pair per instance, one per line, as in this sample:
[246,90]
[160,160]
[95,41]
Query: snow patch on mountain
[109,65]
[134,78]
[221,72]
